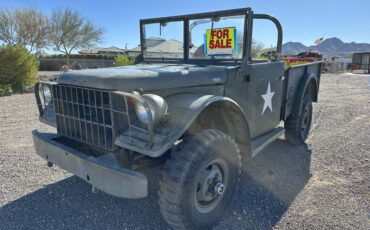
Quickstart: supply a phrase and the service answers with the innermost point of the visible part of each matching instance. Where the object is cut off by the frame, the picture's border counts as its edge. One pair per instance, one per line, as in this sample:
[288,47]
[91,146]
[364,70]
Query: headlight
[157,106]
[142,114]
[44,100]
[46,93]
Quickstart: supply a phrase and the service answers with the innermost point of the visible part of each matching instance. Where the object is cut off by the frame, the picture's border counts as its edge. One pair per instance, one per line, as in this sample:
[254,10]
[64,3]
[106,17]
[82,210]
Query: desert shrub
[5,89]
[18,68]
[123,60]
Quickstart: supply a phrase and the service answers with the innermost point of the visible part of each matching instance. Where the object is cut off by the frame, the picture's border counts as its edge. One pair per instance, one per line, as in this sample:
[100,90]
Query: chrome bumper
[108,178]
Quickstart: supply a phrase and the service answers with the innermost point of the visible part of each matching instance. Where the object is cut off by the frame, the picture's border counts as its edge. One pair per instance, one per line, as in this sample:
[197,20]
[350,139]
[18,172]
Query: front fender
[183,109]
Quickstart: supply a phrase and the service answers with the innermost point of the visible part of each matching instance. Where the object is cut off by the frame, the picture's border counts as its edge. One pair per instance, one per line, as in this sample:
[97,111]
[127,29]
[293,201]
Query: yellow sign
[221,41]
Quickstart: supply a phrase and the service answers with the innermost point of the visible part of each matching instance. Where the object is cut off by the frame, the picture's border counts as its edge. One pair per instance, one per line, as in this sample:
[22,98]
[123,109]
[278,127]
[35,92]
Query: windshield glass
[217,38]
[164,40]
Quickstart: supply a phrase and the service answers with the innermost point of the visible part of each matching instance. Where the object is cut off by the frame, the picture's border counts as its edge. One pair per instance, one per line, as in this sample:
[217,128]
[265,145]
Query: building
[150,42]
[157,47]
[134,52]
[361,61]
[107,51]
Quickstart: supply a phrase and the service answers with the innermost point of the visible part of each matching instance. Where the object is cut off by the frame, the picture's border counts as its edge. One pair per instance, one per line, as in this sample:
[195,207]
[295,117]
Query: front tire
[199,180]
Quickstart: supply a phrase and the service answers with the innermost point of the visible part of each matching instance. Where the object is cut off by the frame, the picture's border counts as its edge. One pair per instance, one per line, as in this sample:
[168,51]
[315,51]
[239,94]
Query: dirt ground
[322,185]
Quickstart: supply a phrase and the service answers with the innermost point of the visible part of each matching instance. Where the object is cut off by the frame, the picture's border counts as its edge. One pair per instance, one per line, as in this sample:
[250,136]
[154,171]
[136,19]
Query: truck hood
[146,76]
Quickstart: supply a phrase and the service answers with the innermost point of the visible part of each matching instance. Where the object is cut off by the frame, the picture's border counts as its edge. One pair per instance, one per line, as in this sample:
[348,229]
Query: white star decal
[267,98]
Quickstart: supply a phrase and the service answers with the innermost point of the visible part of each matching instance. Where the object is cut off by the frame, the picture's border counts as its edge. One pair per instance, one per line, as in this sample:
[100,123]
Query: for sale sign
[221,41]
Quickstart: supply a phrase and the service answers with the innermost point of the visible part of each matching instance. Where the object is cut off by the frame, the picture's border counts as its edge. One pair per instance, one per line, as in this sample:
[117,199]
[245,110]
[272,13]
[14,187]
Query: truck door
[266,77]
[265,95]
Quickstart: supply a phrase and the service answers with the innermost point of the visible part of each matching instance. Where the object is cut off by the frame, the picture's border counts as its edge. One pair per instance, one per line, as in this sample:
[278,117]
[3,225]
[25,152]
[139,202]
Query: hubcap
[210,186]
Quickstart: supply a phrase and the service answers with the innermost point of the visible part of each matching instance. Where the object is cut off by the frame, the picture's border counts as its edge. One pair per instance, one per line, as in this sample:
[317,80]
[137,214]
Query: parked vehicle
[310,54]
[303,57]
[202,110]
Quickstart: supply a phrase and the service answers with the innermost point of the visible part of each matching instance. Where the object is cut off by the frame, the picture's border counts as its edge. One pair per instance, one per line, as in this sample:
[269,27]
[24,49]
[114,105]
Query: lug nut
[219,188]
[94,189]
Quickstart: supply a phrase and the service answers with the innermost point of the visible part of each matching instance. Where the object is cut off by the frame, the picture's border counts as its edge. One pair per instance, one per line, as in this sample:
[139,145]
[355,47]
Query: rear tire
[297,127]
[199,180]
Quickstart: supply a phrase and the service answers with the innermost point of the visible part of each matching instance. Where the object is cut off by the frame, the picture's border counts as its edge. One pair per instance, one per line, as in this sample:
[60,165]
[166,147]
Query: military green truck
[196,103]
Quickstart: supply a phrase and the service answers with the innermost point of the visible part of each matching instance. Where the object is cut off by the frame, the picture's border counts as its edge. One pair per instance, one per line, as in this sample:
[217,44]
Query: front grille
[85,115]
[99,117]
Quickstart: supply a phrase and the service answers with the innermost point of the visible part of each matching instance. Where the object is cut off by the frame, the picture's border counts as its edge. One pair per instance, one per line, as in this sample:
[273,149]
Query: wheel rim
[306,121]
[210,186]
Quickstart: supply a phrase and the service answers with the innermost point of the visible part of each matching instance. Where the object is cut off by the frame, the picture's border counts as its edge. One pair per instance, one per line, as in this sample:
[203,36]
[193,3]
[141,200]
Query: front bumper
[106,177]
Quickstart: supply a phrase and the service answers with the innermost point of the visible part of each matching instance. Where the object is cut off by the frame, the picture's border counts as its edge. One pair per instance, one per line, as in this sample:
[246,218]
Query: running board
[262,142]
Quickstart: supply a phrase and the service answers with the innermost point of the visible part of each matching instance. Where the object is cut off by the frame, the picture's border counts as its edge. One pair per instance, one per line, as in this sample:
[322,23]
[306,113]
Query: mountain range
[328,47]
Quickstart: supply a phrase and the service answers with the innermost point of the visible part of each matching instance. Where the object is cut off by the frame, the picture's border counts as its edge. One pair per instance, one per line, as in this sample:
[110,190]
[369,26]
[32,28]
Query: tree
[71,31]
[7,27]
[27,27]
[256,48]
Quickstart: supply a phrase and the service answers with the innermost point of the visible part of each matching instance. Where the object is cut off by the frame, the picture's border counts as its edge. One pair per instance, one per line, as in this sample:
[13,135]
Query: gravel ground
[322,185]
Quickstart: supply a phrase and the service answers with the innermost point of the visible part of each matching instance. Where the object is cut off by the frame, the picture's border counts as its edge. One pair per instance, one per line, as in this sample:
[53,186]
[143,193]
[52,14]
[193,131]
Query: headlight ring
[157,106]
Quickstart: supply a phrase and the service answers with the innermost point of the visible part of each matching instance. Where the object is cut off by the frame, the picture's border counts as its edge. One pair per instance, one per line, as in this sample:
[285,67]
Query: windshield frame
[247,12]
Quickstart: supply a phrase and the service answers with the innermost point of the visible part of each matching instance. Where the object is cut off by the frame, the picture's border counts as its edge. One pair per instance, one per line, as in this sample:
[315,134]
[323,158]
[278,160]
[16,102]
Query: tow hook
[49,164]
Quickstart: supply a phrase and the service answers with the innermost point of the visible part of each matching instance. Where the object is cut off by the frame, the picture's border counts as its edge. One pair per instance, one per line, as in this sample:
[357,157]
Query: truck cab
[196,102]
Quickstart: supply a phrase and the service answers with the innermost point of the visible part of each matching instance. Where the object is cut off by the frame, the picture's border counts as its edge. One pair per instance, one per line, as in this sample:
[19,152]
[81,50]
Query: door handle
[281,78]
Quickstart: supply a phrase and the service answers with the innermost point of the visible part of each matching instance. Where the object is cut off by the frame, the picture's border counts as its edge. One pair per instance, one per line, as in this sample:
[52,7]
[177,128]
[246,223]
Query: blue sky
[303,20]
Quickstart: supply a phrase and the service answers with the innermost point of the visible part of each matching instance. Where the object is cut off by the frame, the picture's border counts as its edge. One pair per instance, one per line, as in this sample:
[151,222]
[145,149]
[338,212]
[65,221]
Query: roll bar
[279,44]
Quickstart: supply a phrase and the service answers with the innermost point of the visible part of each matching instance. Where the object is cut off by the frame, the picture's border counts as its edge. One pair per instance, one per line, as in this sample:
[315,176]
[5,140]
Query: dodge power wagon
[196,102]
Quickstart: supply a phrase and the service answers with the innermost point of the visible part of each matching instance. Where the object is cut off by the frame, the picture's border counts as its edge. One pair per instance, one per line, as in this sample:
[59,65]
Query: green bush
[123,60]
[18,68]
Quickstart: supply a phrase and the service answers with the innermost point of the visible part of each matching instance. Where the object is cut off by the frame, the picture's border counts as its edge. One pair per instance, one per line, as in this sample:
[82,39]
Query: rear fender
[308,84]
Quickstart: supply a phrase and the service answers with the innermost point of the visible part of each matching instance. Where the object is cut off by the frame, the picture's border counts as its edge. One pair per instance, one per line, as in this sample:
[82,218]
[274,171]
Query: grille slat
[128,120]
[103,114]
[68,121]
[97,117]
[79,113]
[85,115]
